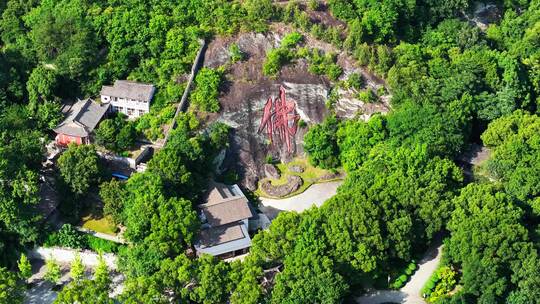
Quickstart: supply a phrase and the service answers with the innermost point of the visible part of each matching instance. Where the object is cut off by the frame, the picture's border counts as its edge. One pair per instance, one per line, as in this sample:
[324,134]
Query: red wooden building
[82,118]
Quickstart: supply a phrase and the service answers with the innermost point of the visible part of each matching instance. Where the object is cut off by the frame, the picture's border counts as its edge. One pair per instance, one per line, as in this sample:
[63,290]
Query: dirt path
[411,292]
[316,195]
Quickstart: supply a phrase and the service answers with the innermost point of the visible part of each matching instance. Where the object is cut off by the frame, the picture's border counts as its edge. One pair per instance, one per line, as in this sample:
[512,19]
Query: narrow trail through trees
[411,292]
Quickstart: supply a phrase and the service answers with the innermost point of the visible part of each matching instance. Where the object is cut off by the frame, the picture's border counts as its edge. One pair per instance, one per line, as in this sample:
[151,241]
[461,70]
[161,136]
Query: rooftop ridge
[81,110]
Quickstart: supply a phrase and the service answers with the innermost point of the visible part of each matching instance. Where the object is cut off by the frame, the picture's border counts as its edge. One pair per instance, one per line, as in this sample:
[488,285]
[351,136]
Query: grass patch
[310,176]
[103,224]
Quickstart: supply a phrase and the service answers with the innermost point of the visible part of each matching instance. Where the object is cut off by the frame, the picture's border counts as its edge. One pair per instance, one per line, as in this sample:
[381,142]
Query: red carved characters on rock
[280,117]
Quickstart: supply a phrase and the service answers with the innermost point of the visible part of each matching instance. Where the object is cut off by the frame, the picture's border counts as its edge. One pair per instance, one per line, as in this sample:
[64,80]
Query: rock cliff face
[246,91]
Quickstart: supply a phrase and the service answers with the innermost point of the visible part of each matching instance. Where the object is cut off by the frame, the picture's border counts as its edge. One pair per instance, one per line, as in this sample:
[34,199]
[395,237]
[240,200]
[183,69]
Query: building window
[141,112]
[129,111]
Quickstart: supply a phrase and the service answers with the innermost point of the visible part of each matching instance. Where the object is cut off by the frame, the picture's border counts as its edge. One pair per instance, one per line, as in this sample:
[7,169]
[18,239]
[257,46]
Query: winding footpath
[411,292]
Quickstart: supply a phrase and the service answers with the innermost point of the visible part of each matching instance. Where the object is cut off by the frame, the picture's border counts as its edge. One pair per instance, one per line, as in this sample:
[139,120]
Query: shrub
[313,5]
[367,96]
[116,134]
[67,236]
[320,143]
[291,40]
[235,53]
[101,245]
[206,92]
[150,124]
[275,59]
[333,71]
[399,282]
[355,81]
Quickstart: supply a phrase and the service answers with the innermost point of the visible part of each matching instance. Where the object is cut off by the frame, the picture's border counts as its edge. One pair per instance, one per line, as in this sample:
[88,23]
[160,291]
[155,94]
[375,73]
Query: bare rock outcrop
[271,171]
[296,168]
[293,183]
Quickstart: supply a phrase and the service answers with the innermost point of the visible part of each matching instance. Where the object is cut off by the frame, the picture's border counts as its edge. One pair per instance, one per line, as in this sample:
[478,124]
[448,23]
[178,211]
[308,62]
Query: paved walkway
[411,292]
[66,255]
[108,237]
[316,195]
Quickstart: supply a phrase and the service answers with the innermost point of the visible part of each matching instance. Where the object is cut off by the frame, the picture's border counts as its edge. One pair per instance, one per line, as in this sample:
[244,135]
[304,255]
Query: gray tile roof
[219,235]
[225,204]
[82,118]
[129,89]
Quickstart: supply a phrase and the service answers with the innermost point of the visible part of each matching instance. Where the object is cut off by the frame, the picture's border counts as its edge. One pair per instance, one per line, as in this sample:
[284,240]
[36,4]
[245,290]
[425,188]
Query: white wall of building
[130,107]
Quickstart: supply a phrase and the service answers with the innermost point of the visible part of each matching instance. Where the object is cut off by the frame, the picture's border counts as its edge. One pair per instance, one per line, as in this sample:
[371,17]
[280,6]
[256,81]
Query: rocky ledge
[293,183]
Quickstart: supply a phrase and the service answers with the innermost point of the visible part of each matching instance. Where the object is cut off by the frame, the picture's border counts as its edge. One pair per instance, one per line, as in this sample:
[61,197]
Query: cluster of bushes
[235,53]
[150,125]
[206,92]
[70,237]
[441,282]
[367,96]
[278,57]
[377,57]
[116,134]
[321,63]
[293,14]
[402,279]
[354,81]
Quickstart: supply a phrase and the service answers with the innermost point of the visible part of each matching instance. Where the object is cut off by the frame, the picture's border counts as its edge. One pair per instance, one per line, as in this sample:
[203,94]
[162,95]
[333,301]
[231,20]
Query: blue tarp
[120,176]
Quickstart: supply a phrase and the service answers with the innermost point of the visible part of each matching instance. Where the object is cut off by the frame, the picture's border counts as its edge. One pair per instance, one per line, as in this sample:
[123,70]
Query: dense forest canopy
[452,83]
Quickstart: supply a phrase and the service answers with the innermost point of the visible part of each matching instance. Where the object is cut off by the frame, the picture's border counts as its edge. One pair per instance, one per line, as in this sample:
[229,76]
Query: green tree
[77,268]
[273,244]
[25,268]
[275,59]
[106,134]
[112,194]
[83,292]
[206,92]
[483,213]
[356,138]
[41,86]
[211,281]
[10,290]
[515,158]
[53,273]
[79,167]
[247,289]
[62,32]
[21,153]
[101,273]
[308,275]
[70,237]
[49,115]
[321,144]
[258,13]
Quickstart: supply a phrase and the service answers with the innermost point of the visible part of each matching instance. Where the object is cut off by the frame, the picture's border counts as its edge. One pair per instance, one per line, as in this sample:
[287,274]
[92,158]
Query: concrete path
[316,195]
[113,238]
[66,255]
[411,292]
[41,291]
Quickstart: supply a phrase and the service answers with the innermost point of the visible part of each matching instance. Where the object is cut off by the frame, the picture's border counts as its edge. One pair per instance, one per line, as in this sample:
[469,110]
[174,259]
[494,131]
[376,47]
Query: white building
[129,97]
